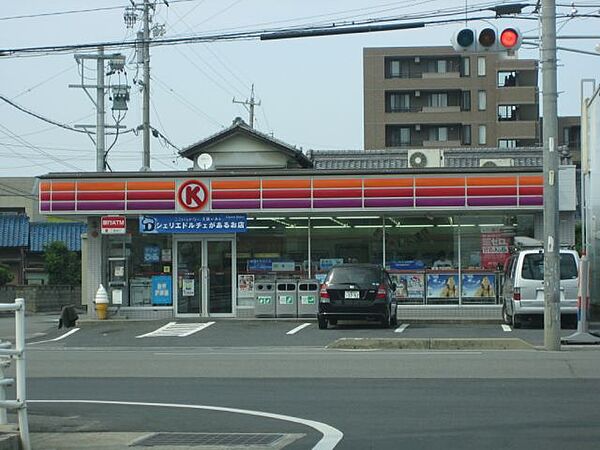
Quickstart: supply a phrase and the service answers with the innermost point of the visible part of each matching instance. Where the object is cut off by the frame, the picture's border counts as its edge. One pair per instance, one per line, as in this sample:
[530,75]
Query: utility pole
[146,99]
[249,105]
[551,210]
[100,136]
[120,92]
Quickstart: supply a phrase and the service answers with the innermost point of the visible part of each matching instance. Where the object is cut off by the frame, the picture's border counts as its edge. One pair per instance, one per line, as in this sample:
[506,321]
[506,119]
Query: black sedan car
[357,291]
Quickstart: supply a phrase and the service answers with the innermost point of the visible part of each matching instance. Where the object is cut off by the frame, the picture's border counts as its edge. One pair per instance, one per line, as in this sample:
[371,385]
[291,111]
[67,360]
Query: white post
[21,371]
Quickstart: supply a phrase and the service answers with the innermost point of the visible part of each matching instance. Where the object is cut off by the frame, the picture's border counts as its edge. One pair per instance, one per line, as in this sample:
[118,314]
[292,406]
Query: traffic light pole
[551,211]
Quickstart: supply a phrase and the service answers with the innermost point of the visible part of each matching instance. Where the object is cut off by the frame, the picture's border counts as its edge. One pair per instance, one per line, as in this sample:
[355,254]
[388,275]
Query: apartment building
[434,97]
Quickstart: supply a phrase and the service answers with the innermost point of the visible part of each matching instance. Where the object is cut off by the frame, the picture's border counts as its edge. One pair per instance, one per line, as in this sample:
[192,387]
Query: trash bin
[308,296]
[287,298]
[264,298]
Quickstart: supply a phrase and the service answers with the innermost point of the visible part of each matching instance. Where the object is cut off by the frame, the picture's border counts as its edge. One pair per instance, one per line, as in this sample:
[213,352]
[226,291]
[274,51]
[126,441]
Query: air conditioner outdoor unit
[504,162]
[422,158]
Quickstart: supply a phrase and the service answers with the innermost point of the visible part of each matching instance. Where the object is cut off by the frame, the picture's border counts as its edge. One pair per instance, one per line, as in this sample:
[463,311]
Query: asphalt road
[377,399]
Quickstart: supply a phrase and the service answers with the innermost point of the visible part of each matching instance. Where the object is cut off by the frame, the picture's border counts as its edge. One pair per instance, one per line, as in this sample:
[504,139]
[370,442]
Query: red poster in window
[494,249]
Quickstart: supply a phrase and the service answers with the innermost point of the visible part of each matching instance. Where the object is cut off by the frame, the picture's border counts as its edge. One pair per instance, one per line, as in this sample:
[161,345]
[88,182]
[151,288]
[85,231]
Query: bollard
[101,302]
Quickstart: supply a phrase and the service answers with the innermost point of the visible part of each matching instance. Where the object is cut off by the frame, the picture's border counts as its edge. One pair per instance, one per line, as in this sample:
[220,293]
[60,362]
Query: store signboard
[193,223]
[442,285]
[161,290]
[477,285]
[495,248]
[409,285]
[113,225]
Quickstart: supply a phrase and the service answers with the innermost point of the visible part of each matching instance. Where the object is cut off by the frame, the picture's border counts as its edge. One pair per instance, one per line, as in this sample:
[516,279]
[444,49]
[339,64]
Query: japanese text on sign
[197,223]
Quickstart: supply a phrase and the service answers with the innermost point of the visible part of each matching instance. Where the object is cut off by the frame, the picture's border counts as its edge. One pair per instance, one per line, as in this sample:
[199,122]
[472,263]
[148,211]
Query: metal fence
[7,355]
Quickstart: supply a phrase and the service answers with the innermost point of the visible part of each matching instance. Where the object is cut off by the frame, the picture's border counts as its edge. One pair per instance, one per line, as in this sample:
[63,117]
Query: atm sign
[113,225]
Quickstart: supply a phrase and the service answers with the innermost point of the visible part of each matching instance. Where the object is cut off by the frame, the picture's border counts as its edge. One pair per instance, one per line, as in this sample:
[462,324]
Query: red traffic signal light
[488,40]
[509,38]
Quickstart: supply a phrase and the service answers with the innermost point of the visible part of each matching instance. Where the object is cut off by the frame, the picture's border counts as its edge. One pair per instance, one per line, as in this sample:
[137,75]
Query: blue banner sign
[194,223]
[161,290]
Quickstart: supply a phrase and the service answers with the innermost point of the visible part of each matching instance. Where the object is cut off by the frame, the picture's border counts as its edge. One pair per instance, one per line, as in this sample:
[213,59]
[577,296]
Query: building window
[482,100]
[438,100]
[466,101]
[481,66]
[507,78]
[507,112]
[396,68]
[466,134]
[397,102]
[482,134]
[507,143]
[466,67]
[397,136]
[439,134]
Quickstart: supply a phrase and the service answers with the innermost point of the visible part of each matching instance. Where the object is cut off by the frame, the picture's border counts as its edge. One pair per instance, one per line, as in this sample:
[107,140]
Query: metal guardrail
[7,354]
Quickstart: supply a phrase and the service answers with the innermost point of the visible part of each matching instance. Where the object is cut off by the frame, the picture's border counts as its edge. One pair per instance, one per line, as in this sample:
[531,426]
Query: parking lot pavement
[228,333]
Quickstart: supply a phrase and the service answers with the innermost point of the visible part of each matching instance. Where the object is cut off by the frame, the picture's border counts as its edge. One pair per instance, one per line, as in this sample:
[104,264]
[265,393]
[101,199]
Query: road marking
[331,436]
[401,328]
[67,334]
[174,329]
[298,328]
[506,328]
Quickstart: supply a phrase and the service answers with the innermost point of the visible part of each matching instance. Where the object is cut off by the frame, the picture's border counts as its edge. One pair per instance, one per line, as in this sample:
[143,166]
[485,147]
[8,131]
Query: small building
[251,208]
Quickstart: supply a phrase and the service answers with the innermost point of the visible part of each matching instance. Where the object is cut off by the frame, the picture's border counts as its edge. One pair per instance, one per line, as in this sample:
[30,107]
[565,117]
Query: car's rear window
[355,275]
[533,266]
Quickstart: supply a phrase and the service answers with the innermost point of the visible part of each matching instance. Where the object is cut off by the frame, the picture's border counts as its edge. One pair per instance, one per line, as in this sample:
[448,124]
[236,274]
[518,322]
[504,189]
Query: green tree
[5,275]
[63,266]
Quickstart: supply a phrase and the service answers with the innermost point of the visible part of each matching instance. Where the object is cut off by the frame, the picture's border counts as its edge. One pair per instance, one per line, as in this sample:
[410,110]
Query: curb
[431,344]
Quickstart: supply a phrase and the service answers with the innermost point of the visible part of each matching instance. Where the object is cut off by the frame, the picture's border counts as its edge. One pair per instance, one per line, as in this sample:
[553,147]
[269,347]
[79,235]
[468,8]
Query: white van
[523,288]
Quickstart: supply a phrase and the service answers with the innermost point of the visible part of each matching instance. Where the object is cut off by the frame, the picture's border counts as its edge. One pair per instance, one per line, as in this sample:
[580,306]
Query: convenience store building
[195,243]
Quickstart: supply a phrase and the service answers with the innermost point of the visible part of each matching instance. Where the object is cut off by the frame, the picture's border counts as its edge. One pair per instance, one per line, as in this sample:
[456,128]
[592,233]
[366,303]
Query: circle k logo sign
[192,195]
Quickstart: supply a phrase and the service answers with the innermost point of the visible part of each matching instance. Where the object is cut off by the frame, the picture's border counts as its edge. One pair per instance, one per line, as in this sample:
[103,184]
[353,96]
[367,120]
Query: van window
[533,267]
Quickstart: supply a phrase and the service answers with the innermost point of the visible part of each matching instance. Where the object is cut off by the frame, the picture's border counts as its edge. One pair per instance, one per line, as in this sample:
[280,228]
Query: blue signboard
[194,223]
[478,285]
[151,253]
[161,290]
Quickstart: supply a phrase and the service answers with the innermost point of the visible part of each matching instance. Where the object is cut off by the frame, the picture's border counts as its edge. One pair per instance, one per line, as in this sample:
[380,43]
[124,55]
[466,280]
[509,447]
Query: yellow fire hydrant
[101,302]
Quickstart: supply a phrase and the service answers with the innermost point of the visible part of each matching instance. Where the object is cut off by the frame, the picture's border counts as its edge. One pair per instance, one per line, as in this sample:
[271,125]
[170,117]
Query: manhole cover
[205,439]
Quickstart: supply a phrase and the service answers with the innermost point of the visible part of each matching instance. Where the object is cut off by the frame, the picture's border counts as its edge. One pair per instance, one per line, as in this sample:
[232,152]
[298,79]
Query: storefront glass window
[139,268]
[273,247]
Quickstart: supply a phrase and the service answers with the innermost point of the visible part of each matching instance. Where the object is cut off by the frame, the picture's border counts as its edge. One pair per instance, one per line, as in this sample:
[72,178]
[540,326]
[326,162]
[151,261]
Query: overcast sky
[310,89]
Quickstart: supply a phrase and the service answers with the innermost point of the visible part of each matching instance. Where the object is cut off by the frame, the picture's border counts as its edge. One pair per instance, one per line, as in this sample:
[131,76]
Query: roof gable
[241,146]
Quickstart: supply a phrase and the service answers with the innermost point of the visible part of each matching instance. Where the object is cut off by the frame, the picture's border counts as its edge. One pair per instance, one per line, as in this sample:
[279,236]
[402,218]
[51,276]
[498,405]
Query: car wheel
[507,318]
[333,321]
[516,321]
[395,316]
[322,322]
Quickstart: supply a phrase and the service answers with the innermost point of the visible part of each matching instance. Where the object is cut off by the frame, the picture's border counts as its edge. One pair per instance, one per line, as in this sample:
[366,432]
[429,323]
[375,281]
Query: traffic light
[488,40]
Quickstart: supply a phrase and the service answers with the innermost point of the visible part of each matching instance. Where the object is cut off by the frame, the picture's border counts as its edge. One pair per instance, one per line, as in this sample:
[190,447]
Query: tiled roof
[42,234]
[14,230]
[398,158]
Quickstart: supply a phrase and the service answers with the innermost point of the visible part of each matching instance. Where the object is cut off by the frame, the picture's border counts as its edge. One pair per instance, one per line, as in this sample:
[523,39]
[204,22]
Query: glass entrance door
[204,275]
[189,277]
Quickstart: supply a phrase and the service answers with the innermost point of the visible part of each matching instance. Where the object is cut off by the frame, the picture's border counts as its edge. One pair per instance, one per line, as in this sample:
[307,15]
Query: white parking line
[401,328]
[331,436]
[506,328]
[298,328]
[174,329]
[67,334]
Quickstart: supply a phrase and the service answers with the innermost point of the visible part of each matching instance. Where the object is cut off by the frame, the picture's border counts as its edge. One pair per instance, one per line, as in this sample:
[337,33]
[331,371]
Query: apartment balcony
[517,129]
[440,110]
[517,95]
[440,75]
[442,144]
